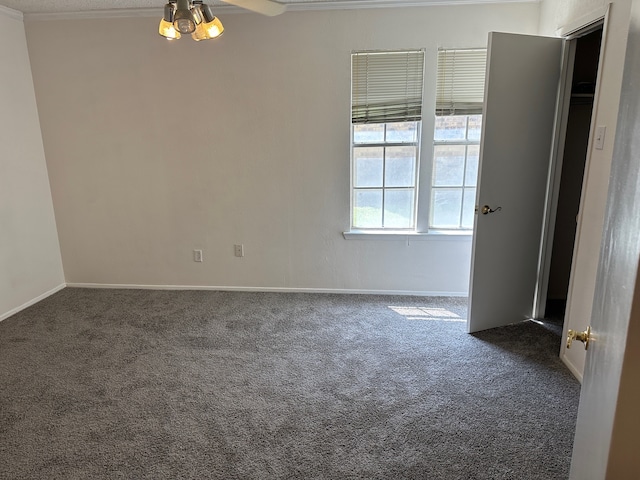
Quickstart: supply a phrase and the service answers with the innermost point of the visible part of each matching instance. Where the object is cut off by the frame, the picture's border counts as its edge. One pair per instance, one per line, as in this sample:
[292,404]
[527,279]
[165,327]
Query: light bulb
[184,25]
[183,18]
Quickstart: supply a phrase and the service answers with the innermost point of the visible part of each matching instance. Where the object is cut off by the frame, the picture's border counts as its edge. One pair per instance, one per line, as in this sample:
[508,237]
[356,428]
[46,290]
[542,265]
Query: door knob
[487,209]
[583,337]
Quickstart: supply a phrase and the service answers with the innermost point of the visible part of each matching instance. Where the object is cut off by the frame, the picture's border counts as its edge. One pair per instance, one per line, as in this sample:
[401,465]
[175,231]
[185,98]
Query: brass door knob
[487,209]
[583,337]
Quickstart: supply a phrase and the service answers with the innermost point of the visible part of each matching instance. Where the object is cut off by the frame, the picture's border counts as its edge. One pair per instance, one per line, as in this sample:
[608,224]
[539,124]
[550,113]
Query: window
[386,114]
[458,124]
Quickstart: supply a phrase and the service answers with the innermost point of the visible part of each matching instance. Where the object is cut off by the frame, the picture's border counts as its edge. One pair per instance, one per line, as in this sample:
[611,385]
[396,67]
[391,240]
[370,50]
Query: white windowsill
[406,235]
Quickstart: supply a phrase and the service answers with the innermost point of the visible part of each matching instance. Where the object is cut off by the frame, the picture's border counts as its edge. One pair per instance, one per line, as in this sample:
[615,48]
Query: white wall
[156,148]
[30,264]
[554,15]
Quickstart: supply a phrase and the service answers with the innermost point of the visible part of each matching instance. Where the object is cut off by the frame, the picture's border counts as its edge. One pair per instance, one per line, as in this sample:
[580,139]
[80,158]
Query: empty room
[261,239]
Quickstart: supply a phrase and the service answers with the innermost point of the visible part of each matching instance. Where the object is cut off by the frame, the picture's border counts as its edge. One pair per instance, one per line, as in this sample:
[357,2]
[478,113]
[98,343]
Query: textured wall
[559,13]
[30,263]
[156,148]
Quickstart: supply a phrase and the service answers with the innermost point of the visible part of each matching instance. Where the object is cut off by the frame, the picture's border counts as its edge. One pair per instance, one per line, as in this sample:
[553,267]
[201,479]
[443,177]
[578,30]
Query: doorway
[584,55]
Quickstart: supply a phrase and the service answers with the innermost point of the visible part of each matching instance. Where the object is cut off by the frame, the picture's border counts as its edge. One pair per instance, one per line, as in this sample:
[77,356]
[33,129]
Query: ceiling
[57,7]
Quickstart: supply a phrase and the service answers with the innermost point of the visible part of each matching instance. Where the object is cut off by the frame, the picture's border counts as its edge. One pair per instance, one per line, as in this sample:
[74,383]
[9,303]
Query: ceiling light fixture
[182,17]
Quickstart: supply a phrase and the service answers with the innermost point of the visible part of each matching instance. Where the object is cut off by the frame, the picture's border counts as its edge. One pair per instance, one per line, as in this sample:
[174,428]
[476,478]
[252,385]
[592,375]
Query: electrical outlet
[197,255]
[239,250]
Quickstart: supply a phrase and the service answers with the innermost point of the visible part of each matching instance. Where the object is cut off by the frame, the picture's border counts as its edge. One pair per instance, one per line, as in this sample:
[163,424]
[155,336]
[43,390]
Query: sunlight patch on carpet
[428,313]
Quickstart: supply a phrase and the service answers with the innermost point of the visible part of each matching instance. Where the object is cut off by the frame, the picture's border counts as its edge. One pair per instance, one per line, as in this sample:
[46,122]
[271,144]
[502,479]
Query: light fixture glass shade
[167,30]
[214,28]
[208,30]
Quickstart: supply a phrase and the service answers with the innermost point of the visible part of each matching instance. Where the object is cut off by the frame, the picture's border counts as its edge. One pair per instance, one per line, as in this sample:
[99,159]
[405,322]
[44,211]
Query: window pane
[402,132]
[471,175]
[451,127]
[475,127]
[368,133]
[367,208]
[398,208]
[468,207]
[448,165]
[400,167]
[446,205]
[368,166]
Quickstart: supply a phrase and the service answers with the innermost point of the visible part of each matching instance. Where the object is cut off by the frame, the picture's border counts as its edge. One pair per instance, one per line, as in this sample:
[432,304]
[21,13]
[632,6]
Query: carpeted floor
[132,384]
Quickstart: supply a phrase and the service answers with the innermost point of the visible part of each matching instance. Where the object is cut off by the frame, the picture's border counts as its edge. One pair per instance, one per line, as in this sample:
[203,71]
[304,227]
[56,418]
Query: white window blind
[460,81]
[386,86]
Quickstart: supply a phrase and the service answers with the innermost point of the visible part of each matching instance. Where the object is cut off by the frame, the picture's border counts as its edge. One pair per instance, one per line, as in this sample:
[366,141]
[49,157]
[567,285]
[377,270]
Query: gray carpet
[99,384]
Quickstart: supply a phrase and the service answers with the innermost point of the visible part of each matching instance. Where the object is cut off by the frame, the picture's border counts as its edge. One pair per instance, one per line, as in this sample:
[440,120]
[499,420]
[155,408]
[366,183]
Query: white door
[521,89]
[606,440]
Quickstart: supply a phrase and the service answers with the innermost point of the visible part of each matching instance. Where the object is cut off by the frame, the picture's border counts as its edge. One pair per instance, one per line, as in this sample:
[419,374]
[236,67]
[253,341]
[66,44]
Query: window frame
[425,162]
[463,187]
[416,174]
[368,97]
[459,91]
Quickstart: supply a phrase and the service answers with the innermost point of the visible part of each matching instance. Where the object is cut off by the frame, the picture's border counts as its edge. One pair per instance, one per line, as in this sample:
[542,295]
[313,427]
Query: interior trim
[33,301]
[268,289]
[312,5]
[11,13]
[584,23]
[571,367]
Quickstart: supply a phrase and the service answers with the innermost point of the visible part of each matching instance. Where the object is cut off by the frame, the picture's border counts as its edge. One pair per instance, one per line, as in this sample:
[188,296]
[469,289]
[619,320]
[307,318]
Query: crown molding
[89,14]
[310,5]
[360,4]
[11,13]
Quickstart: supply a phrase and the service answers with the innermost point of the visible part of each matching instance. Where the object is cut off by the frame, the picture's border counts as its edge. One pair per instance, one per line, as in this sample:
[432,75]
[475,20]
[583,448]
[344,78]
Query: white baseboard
[32,301]
[268,289]
[576,373]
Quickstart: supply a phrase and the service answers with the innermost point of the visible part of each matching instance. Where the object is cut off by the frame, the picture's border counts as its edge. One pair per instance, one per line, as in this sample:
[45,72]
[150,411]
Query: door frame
[598,19]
